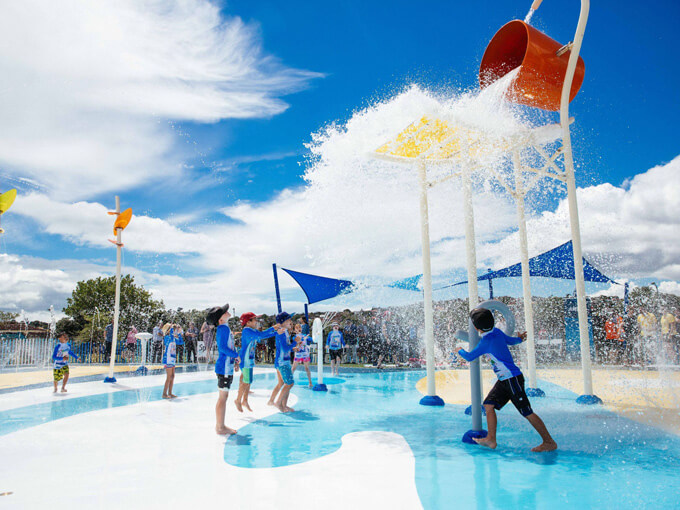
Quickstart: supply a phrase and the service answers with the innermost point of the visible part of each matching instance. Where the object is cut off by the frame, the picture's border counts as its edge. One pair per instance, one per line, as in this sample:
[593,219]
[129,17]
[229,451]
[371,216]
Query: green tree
[95,298]
[8,316]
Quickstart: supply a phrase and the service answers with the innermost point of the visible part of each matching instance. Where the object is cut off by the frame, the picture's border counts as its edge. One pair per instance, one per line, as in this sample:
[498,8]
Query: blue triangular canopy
[319,288]
[556,263]
[410,283]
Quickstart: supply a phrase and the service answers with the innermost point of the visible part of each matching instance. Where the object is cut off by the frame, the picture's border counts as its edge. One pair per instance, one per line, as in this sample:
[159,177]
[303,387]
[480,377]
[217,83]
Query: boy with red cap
[249,338]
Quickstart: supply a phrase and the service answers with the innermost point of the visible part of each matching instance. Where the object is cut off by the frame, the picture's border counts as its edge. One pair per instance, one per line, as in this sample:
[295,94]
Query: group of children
[493,343]
[229,359]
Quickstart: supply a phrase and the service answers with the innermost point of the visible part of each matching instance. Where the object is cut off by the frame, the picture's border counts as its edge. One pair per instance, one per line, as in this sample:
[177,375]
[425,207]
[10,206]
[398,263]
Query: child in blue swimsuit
[169,359]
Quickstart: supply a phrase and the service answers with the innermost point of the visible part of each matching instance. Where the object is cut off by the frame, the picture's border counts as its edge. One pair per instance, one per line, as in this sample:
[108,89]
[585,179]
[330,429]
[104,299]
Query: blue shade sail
[319,288]
[556,263]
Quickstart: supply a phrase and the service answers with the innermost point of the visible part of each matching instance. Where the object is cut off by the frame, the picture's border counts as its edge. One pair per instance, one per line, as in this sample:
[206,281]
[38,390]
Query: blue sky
[330,61]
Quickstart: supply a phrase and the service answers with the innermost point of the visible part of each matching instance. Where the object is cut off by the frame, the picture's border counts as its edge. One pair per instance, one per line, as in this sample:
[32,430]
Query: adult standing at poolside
[190,342]
[157,346]
[208,334]
[108,337]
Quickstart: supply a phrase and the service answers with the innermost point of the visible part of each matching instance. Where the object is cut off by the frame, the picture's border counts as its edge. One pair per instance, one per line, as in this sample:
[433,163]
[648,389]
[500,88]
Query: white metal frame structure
[463,150]
[588,396]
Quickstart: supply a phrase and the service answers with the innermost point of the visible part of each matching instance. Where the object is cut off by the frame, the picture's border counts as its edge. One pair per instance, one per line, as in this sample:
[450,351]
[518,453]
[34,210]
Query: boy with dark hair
[224,366]
[510,385]
[60,356]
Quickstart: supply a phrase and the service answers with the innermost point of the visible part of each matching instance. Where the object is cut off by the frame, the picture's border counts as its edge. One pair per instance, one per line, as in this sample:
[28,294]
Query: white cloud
[668,287]
[628,232]
[87,86]
[87,223]
[34,284]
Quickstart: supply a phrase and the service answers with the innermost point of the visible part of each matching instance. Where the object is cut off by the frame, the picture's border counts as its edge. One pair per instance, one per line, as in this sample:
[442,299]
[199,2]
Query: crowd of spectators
[643,335]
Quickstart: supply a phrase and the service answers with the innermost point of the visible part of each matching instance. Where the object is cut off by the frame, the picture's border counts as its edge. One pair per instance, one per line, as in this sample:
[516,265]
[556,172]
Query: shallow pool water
[604,460]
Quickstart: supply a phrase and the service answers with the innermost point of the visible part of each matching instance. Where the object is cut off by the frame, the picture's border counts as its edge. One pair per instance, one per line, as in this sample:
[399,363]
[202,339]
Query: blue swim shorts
[286,374]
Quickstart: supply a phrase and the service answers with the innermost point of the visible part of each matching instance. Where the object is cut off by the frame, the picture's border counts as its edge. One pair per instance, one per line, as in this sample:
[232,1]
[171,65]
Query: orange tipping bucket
[539,82]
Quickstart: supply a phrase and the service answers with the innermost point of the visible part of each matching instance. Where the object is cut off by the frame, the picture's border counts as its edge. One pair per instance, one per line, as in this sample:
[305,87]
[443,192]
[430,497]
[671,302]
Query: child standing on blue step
[284,346]
[169,359]
[224,367]
[510,385]
[249,338]
[60,356]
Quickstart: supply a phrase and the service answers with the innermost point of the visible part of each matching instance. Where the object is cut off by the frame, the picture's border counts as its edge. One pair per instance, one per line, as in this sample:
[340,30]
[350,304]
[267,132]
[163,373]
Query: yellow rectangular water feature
[435,139]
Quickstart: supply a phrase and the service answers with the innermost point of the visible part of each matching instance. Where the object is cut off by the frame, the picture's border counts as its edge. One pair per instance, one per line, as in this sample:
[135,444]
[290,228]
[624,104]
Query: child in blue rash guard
[336,341]
[60,356]
[169,359]
[224,367]
[302,354]
[284,346]
[280,337]
[249,338]
[510,385]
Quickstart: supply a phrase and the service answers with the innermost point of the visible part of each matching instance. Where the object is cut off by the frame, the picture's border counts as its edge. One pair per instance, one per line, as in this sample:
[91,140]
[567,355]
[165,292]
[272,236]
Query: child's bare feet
[173,396]
[63,390]
[224,430]
[280,408]
[251,392]
[54,391]
[247,406]
[545,447]
[271,403]
[166,396]
[485,441]
[238,406]
[288,410]
[310,385]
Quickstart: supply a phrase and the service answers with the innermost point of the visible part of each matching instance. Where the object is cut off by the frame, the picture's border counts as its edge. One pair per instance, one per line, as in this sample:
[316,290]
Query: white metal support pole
[116,308]
[587,396]
[431,397]
[526,280]
[473,297]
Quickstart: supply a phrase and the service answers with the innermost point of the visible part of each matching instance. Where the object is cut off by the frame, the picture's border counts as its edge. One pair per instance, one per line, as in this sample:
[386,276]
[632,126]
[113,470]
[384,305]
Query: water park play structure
[529,68]
[122,220]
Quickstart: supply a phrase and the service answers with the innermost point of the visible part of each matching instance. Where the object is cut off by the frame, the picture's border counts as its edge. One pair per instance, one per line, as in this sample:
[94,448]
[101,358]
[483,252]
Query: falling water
[529,15]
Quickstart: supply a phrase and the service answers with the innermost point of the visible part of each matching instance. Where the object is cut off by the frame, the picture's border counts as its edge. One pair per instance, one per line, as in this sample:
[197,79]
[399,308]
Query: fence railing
[37,352]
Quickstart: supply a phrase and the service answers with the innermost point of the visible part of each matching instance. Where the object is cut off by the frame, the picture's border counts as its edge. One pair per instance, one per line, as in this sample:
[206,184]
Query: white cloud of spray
[359,217]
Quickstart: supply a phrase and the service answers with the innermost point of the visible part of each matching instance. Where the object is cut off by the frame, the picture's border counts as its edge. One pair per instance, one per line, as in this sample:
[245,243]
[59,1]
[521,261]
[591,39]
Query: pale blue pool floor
[604,460]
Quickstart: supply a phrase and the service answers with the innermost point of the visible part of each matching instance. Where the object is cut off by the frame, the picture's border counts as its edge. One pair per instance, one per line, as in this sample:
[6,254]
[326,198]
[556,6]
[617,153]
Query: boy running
[249,338]
[60,356]
[224,367]
[510,385]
